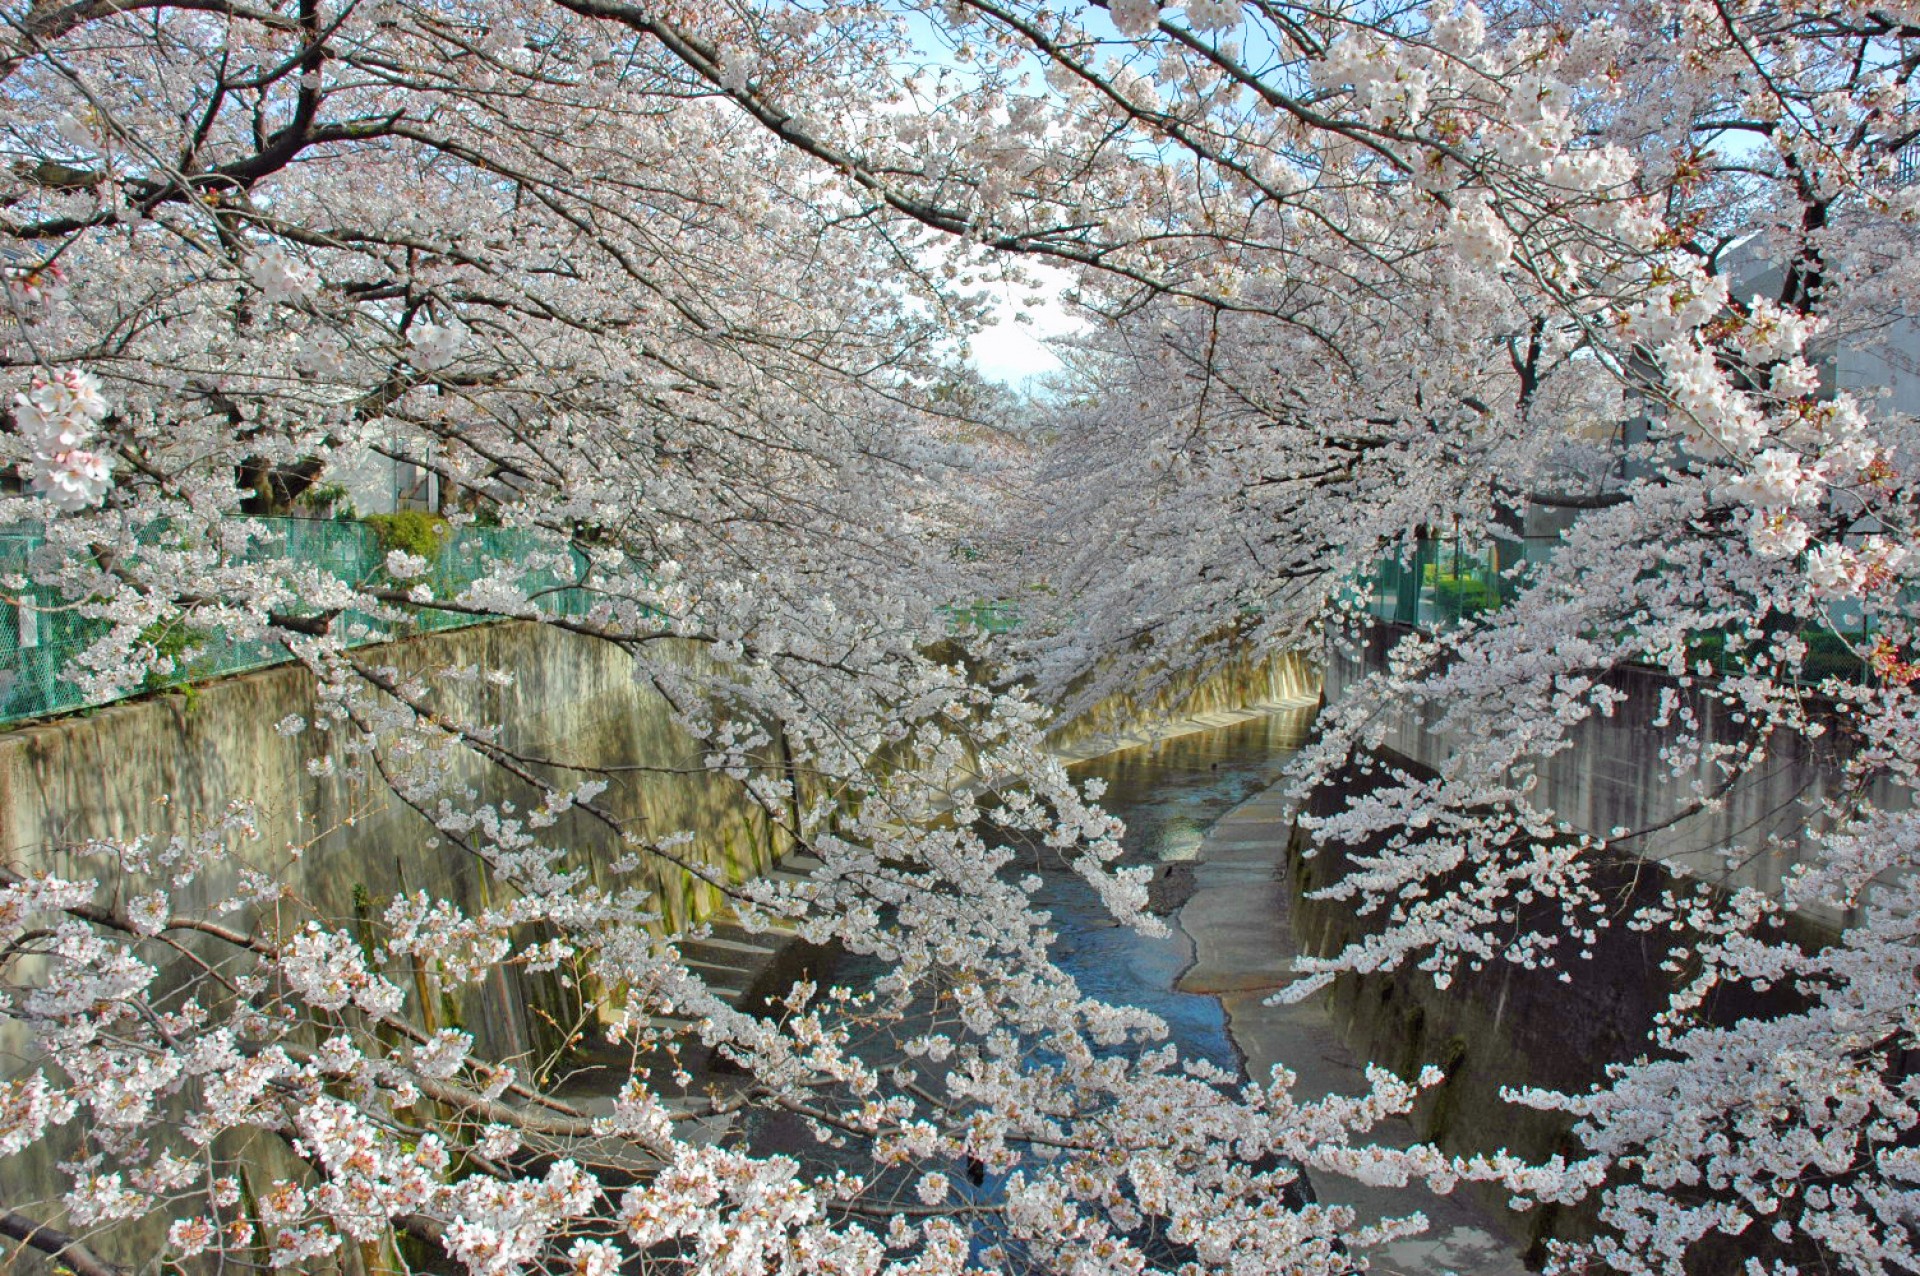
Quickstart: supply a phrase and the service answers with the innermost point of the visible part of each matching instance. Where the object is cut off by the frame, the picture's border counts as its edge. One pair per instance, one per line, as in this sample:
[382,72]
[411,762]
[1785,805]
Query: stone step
[725,951]
[667,1023]
[729,982]
[728,968]
[726,924]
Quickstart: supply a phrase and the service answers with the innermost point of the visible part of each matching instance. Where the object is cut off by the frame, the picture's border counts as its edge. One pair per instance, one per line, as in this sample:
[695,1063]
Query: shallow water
[1169,795]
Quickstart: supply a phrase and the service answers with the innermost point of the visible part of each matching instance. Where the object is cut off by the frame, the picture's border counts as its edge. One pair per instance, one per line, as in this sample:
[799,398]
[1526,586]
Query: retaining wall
[1194,699]
[1504,1026]
[171,763]
[1615,774]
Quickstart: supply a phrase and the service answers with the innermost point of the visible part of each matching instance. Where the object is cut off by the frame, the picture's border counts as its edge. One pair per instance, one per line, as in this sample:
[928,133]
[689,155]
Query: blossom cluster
[58,416]
[675,317]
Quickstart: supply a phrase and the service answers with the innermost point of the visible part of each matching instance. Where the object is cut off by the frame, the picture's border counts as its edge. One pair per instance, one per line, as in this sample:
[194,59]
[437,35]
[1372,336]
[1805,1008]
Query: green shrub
[415,531]
[329,497]
[1828,656]
[170,640]
[1457,596]
[1712,648]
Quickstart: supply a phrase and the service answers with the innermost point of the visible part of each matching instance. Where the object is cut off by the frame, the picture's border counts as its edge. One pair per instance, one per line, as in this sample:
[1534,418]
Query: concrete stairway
[749,969]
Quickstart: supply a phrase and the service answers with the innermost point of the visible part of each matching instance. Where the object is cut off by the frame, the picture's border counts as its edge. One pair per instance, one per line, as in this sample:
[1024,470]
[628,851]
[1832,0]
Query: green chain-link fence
[41,632]
[997,617]
[1446,582]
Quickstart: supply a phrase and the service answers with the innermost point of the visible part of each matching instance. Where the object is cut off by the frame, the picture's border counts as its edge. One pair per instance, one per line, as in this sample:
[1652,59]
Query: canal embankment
[344,844]
[1239,920]
[1500,1026]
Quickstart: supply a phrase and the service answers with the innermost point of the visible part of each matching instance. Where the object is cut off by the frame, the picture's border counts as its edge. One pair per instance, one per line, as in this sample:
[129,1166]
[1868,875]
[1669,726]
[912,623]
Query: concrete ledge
[1240,920]
[1112,742]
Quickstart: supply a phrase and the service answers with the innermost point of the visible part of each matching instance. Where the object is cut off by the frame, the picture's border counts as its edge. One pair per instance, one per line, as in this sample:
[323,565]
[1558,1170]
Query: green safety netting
[988,617]
[41,632]
[1444,583]
[1441,584]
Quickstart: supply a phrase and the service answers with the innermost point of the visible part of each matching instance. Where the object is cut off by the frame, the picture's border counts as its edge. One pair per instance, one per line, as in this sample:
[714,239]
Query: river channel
[1171,796]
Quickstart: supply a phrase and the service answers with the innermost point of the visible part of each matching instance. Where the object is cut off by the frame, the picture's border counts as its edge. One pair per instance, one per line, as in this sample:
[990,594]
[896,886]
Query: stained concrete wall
[1243,682]
[171,763]
[1615,774]
[1504,1026]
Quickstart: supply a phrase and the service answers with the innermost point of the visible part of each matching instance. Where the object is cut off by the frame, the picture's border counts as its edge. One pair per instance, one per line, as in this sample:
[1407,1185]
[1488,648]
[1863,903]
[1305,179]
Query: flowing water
[1169,795]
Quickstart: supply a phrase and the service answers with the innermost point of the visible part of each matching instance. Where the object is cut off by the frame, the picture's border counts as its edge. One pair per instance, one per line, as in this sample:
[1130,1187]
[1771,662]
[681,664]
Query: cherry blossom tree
[1674,214]
[671,289]
[602,272]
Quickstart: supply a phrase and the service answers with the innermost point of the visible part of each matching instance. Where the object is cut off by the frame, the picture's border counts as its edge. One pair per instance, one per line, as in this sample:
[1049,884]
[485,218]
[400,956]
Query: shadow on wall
[1616,776]
[1209,697]
[1505,1026]
[168,765]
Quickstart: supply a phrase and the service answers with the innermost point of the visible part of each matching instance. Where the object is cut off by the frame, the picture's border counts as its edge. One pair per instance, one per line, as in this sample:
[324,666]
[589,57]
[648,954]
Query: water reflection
[1169,794]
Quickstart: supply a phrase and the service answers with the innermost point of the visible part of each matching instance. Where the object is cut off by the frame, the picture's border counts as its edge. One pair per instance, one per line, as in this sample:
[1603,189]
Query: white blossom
[433,346]
[280,277]
[1134,17]
[1213,15]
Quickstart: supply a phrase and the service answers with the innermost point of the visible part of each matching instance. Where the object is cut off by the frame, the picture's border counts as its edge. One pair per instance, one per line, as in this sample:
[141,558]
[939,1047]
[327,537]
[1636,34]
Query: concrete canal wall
[1615,774]
[1196,699]
[170,764]
[1504,1026]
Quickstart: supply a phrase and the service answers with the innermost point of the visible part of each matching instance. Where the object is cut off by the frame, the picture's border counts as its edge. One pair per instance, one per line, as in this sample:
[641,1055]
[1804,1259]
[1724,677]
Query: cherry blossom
[670,295]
